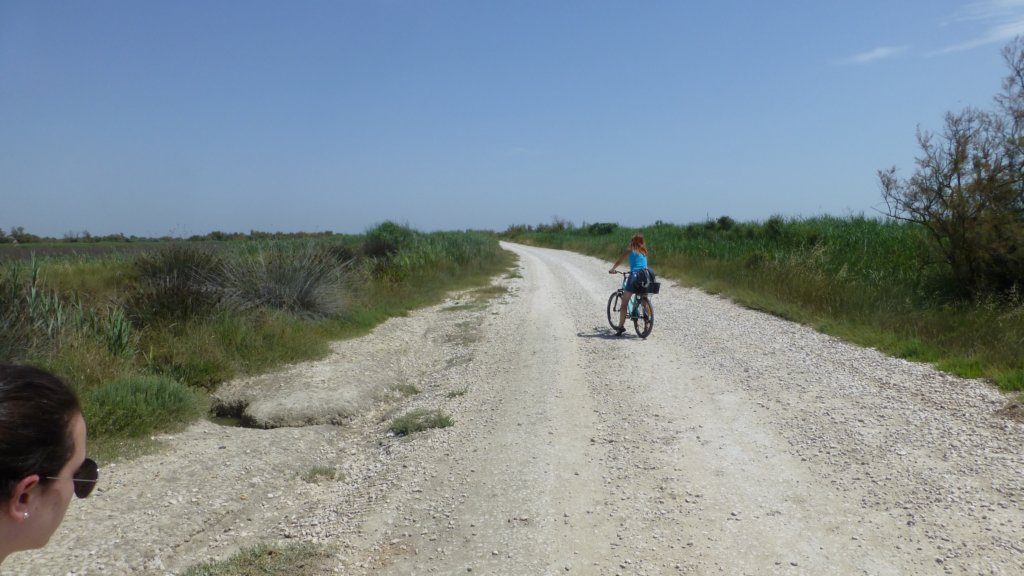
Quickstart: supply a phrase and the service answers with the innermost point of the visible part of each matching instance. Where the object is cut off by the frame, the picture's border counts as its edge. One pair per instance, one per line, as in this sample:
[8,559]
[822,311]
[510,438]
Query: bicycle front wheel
[614,305]
[644,321]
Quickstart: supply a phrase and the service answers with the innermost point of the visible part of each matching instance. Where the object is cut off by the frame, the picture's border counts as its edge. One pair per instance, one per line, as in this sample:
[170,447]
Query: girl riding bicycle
[637,255]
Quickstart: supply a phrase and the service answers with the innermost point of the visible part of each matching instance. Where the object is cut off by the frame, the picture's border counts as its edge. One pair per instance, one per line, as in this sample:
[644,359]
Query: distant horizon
[86,236]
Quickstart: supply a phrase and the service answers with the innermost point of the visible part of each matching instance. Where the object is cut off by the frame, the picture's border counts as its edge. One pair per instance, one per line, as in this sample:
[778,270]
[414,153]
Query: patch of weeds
[419,420]
[513,274]
[459,306]
[962,367]
[1011,380]
[458,359]
[466,332]
[317,473]
[406,389]
[1014,408]
[490,292]
[477,299]
[457,393]
[301,559]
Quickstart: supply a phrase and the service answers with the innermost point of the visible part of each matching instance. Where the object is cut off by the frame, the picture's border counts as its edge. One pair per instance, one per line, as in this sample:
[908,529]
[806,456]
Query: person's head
[42,456]
[636,244]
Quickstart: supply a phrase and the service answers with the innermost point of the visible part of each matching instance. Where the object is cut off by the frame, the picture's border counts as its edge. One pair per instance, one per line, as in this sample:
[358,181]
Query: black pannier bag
[645,282]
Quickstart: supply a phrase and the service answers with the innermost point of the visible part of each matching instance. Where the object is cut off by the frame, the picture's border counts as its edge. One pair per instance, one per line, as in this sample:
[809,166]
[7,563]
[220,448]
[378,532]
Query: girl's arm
[619,261]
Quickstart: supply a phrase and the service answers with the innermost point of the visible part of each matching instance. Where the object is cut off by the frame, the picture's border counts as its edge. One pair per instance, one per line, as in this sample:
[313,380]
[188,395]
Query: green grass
[459,392]
[317,473]
[419,420]
[300,559]
[137,406]
[871,282]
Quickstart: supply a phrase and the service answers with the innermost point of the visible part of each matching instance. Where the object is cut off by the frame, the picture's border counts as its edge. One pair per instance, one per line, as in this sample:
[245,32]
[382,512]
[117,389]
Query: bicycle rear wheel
[644,321]
[614,305]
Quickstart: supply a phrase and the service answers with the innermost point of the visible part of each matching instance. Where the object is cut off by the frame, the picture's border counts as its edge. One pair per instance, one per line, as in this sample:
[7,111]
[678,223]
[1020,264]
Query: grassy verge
[865,281]
[127,328]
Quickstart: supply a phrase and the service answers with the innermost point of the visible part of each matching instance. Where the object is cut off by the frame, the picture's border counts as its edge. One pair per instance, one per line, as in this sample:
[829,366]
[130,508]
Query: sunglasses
[84,478]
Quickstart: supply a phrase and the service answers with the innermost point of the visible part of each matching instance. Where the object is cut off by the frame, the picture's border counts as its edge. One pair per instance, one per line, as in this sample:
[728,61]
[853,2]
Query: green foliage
[601,228]
[139,406]
[116,331]
[173,283]
[516,230]
[388,239]
[299,559]
[419,420]
[15,334]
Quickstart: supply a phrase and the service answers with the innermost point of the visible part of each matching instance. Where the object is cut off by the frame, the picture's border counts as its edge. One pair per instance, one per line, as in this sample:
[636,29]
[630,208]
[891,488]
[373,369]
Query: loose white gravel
[728,442]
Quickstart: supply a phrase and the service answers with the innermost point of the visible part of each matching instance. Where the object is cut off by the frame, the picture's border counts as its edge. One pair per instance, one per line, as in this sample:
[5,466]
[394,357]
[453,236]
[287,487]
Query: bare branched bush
[305,280]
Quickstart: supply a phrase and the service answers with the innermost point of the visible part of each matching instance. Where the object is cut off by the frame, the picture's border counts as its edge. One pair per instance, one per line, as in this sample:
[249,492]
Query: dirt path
[729,442]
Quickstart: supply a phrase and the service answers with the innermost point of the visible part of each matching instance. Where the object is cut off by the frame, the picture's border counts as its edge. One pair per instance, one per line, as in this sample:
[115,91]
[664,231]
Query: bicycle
[639,308]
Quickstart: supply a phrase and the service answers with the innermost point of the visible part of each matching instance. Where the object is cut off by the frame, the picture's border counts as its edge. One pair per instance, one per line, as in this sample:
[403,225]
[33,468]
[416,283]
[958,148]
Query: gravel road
[728,442]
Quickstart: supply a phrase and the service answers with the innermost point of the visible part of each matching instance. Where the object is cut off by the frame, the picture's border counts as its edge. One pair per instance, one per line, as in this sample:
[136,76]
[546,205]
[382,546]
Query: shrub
[173,283]
[601,228]
[388,239]
[140,405]
[304,280]
[517,229]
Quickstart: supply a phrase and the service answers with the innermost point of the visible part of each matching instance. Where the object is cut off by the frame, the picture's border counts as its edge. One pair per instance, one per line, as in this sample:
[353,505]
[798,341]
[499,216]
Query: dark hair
[36,409]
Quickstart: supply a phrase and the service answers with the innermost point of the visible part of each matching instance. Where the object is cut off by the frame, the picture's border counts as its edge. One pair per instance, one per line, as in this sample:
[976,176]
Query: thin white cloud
[1004,20]
[881,53]
[989,9]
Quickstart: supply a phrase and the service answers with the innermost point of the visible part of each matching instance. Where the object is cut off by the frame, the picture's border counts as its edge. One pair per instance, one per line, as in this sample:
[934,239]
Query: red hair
[636,244]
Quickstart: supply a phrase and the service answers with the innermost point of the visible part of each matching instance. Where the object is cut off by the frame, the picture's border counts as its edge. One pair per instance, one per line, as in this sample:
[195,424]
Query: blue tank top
[637,261]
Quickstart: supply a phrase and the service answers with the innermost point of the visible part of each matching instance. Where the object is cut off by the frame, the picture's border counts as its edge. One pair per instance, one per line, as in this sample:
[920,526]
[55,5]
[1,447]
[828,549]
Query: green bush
[140,405]
[388,239]
[601,228]
[174,282]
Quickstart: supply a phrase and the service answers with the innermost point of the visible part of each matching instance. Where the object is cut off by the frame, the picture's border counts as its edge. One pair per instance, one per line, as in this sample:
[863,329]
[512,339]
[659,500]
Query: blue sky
[183,117]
